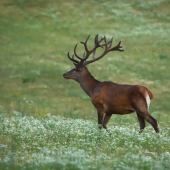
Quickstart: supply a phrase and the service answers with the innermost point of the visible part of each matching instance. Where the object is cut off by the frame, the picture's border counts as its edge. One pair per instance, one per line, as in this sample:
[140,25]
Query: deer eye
[77,70]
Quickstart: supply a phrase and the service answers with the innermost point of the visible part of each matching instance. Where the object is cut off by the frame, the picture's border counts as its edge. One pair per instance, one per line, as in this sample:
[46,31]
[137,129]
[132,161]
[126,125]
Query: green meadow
[47,122]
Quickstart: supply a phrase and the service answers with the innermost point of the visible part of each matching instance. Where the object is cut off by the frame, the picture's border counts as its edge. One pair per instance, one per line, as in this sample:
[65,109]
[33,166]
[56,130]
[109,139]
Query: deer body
[111,98]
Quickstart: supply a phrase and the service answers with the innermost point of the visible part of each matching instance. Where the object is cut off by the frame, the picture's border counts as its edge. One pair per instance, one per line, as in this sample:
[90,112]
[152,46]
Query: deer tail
[149,93]
[148,96]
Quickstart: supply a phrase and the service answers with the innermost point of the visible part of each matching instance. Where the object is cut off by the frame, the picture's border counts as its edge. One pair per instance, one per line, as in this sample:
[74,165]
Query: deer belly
[118,108]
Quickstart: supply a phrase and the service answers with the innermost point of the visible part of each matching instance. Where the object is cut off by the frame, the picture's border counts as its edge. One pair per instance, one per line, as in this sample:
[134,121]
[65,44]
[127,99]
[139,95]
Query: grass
[35,37]
[54,142]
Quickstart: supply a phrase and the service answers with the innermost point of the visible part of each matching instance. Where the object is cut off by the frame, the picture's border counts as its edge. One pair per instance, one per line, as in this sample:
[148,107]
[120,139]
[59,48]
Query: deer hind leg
[142,123]
[141,107]
[153,122]
[145,115]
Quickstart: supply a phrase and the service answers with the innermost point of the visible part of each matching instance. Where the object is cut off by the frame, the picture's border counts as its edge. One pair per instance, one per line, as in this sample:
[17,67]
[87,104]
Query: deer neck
[88,83]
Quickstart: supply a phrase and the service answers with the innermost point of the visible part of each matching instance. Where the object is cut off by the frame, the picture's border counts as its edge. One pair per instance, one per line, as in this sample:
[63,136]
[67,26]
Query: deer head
[80,66]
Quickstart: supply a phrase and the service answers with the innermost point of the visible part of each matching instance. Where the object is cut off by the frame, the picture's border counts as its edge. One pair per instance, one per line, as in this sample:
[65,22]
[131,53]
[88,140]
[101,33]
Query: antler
[107,49]
[97,44]
[72,59]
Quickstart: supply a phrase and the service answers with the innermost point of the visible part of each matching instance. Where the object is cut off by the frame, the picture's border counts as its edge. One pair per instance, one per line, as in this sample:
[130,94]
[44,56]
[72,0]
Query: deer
[108,97]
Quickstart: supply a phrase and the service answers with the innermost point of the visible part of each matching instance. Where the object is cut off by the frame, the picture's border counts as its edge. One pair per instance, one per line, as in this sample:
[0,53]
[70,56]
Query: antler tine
[102,38]
[85,44]
[105,39]
[76,53]
[84,55]
[111,42]
[97,43]
[72,59]
[87,38]
[117,47]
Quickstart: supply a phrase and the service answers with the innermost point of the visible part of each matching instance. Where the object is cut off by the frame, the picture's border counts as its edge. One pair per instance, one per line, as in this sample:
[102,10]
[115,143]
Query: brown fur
[111,98]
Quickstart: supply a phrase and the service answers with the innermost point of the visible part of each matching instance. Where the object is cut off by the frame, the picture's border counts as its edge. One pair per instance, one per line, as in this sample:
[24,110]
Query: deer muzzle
[65,76]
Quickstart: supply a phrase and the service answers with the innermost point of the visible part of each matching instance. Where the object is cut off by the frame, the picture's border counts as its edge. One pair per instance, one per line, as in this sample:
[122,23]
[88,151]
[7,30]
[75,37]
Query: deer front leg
[100,113]
[106,119]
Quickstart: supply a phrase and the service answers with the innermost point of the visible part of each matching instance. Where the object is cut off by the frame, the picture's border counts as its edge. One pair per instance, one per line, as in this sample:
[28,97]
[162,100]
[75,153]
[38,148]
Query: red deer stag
[107,97]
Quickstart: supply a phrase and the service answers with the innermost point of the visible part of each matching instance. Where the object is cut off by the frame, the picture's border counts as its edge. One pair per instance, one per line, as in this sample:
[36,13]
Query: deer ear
[77,66]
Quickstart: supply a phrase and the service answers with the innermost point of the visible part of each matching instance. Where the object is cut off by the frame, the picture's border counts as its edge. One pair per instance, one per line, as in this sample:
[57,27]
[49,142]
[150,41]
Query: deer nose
[65,76]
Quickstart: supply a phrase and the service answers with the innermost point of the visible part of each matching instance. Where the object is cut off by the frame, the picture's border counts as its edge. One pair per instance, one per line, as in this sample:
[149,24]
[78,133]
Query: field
[47,122]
